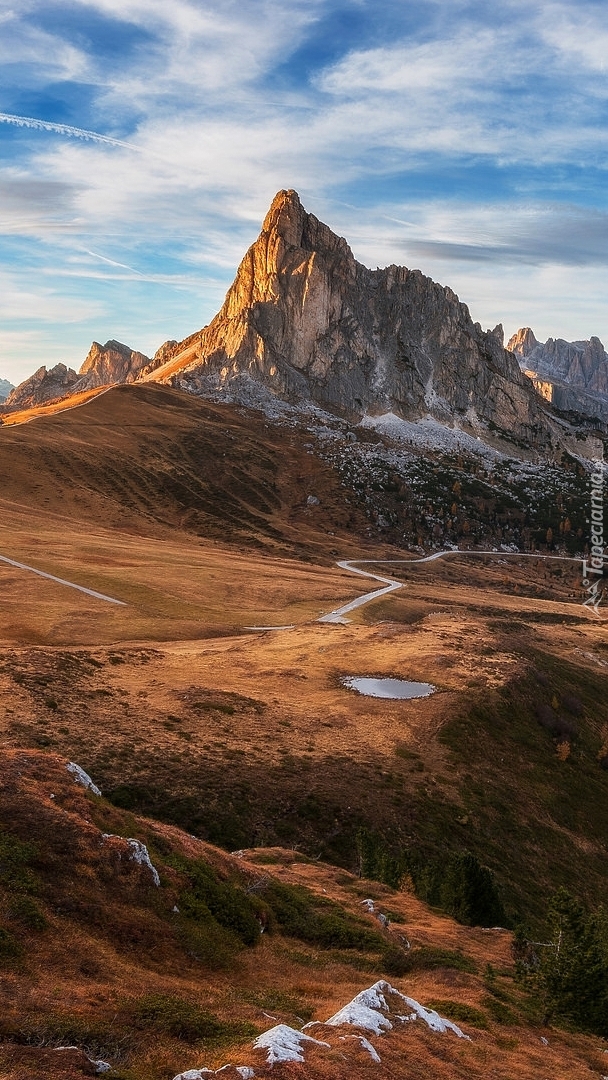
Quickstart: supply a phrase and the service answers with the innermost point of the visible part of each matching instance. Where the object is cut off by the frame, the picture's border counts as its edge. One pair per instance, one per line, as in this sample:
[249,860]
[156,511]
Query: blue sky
[467,139]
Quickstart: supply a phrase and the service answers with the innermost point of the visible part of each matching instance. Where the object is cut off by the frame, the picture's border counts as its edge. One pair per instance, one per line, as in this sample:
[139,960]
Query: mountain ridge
[105,365]
[306,319]
[572,375]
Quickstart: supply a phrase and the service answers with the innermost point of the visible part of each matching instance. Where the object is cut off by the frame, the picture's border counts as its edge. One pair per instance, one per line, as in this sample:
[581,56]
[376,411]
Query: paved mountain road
[338,614]
[390,585]
[62,581]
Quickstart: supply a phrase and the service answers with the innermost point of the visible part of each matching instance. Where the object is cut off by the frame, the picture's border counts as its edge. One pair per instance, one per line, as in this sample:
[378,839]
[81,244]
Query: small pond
[389,688]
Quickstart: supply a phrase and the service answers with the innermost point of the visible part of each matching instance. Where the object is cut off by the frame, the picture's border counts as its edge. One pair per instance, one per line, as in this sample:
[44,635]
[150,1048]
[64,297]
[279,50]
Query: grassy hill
[158,978]
[196,516]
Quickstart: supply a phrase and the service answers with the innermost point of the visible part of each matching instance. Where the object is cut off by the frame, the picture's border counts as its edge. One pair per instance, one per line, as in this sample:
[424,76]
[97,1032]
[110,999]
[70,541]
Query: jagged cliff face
[161,356]
[573,373]
[523,343]
[105,365]
[307,319]
[110,363]
[5,389]
[580,364]
[44,385]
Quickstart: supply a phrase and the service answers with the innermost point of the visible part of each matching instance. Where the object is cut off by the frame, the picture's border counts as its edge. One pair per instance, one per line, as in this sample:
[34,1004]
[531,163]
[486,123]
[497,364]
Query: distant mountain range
[572,375]
[5,389]
[105,365]
[306,322]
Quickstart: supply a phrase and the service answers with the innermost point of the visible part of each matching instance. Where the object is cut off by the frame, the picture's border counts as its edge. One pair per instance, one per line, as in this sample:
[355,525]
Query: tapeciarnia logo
[593,566]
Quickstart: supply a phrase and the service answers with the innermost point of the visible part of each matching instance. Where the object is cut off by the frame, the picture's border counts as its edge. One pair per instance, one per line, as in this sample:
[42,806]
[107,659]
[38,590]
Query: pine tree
[467,892]
[572,973]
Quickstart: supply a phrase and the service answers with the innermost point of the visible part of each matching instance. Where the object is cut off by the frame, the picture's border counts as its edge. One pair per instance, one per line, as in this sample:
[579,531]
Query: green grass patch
[26,912]
[499,1011]
[279,1001]
[208,899]
[459,1012]
[185,1020]
[430,958]
[300,914]
[10,948]
[16,859]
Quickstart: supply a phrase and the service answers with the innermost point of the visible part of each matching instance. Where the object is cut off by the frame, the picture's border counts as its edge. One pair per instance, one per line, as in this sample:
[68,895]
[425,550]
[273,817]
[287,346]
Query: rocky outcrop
[161,356]
[5,389]
[309,321]
[575,373]
[108,364]
[580,364]
[105,365]
[43,386]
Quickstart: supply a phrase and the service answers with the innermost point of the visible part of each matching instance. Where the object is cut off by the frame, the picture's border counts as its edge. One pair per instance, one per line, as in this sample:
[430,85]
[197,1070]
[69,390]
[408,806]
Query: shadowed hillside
[151,459]
[132,949]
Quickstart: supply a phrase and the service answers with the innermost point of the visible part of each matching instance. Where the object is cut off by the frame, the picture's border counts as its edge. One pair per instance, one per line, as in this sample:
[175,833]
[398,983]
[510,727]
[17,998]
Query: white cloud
[471,58]
[47,56]
[505,92]
[219,128]
[202,49]
[578,33]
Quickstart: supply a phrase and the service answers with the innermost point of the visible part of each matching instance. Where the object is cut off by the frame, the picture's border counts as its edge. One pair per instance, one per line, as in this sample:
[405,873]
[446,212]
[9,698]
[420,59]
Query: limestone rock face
[523,342]
[309,321]
[105,365]
[44,385]
[161,356]
[582,364]
[108,364]
[5,389]
[575,371]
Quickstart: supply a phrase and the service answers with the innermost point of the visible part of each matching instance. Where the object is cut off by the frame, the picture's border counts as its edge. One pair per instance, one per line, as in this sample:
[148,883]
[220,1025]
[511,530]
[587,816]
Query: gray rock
[109,364]
[310,322]
[575,372]
[43,386]
[5,389]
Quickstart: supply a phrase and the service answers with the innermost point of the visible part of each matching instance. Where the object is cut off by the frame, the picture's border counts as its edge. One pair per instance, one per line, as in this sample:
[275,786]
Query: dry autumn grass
[109,947]
[250,738]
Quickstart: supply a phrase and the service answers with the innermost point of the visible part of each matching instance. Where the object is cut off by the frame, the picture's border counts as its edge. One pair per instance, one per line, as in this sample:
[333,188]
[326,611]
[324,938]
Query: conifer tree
[572,973]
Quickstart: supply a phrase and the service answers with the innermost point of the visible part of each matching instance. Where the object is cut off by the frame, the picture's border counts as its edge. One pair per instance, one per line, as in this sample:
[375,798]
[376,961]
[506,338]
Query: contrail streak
[123,266]
[63,129]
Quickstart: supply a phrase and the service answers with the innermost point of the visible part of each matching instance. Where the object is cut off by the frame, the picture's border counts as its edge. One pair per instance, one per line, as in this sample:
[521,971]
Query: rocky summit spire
[308,321]
[286,217]
[523,342]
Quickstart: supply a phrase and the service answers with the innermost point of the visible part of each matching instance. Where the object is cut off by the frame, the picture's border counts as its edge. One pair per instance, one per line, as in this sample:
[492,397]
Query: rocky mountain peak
[43,386]
[286,217]
[523,342]
[580,365]
[111,363]
[105,365]
[288,221]
[308,321]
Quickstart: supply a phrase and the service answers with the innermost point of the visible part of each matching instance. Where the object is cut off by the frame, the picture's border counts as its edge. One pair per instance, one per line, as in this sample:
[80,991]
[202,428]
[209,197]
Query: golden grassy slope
[154,461]
[196,516]
[108,944]
[50,408]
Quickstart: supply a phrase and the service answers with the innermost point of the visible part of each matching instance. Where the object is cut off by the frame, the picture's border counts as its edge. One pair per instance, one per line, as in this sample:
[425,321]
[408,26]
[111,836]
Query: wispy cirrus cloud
[156,134]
